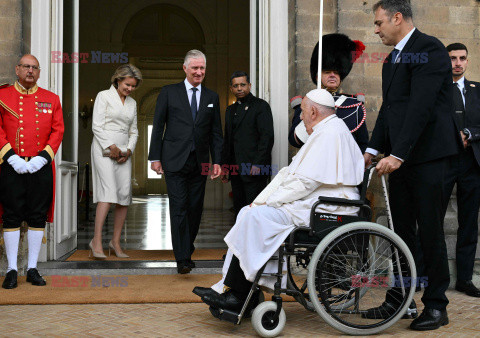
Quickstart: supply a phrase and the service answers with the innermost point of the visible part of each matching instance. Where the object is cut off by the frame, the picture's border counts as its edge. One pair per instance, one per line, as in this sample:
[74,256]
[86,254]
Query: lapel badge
[246,107]
[44,111]
[49,111]
[472,85]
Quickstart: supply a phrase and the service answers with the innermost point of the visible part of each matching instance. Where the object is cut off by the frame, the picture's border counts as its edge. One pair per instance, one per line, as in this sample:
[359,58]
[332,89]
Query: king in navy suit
[186,131]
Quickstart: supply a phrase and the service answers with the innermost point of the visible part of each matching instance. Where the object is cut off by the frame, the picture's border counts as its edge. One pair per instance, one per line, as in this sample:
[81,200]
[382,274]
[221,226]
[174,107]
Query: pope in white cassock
[328,164]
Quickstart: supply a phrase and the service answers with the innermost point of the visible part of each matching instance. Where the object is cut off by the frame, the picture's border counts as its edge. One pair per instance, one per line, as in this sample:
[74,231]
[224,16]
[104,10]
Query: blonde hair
[124,71]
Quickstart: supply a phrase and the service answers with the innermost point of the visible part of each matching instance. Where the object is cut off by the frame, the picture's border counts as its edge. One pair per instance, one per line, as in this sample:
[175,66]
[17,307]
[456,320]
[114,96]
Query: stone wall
[10,38]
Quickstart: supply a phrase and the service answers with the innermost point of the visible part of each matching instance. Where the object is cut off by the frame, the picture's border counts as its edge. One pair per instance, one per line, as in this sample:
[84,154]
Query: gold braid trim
[8,109]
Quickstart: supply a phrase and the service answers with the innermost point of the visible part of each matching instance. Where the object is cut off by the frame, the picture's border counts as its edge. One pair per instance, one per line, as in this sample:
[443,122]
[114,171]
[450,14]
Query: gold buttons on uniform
[37,128]
[21,121]
[36,122]
[21,97]
[21,109]
[21,128]
[22,150]
[36,97]
[38,143]
[21,135]
[21,143]
[21,115]
[38,135]
[36,115]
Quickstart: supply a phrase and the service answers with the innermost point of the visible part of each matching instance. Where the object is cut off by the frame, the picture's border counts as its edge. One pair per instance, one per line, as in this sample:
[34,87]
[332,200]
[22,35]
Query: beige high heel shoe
[118,254]
[96,255]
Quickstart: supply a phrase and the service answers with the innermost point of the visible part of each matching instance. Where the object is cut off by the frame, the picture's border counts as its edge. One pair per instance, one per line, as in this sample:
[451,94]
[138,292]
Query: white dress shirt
[189,87]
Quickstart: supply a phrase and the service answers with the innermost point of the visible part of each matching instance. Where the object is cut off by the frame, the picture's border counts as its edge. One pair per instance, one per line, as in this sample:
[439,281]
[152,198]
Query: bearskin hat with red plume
[338,53]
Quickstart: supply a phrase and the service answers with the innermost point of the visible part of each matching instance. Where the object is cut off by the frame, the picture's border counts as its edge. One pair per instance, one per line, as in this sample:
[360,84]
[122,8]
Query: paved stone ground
[194,320]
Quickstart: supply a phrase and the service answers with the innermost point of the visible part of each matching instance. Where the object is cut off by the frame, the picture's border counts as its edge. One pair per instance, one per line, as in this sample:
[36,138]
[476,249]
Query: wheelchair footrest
[226,315]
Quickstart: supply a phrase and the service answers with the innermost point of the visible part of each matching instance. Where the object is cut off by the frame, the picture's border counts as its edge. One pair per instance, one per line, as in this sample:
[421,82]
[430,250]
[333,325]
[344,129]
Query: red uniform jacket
[31,124]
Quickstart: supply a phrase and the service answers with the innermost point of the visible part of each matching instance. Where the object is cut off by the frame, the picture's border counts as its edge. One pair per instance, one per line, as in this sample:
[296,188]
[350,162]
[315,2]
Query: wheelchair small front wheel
[263,320]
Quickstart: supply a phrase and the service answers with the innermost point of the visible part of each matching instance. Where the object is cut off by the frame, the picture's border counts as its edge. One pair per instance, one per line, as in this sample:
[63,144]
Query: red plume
[359,48]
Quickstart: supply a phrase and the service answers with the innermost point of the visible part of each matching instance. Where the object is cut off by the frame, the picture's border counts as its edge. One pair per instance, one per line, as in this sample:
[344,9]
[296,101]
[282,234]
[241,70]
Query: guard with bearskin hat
[338,55]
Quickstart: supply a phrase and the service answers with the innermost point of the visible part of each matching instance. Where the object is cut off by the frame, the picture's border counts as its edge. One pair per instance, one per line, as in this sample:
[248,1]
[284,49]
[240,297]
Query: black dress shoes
[386,310]
[199,291]
[10,281]
[430,319]
[34,277]
[225,301]
[191,264]
[183,267]
[468,288]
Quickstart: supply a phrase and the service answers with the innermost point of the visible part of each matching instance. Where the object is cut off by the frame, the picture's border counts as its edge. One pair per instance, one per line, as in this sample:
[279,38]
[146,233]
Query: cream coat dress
[113,123]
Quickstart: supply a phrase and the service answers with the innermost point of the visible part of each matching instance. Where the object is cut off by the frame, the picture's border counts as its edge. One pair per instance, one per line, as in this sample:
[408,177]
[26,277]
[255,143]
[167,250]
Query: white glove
[18,164]
[36,163]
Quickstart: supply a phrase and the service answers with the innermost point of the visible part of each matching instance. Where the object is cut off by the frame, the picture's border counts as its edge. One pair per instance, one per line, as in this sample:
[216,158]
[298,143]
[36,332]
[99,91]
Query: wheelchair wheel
[262,320]
[361,255]
[297,273]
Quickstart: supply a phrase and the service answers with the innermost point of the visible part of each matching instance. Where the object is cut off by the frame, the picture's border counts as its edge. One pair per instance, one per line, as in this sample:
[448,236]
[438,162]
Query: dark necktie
[459,106]
[395,53]
[193,105]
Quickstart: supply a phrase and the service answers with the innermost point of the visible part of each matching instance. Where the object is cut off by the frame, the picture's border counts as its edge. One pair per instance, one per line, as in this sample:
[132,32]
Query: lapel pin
[472,85]
[246,108]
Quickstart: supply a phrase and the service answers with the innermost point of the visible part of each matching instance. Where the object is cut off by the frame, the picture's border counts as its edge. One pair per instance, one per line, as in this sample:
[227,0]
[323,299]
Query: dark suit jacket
[416,119]
[472,115]
[173,114]
[252,137]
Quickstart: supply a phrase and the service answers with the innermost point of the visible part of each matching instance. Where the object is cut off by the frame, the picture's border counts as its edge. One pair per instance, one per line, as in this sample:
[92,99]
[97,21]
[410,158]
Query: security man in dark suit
[464,169]
[247,143]
[416,132]
[187,129]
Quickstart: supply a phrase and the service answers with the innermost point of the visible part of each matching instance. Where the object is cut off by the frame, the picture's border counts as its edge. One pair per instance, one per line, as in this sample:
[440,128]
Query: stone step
[109,268]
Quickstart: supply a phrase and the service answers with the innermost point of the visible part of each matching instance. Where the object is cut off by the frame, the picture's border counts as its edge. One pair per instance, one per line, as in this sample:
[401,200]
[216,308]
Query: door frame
[45,38]
[272,56]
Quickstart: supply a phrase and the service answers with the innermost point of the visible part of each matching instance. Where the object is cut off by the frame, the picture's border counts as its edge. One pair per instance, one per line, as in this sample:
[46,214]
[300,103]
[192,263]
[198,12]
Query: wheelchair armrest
[339,201]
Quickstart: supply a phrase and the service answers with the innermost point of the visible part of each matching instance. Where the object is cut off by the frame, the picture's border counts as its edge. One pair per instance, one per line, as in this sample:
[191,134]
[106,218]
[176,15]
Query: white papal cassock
[329,164]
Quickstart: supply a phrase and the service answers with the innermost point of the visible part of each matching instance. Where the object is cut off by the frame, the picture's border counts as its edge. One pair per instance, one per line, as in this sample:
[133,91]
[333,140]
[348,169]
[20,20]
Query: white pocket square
[210,105]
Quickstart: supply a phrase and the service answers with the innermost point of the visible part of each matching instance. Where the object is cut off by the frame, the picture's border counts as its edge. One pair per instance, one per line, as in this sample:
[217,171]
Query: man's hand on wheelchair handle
[368,159]
[387,165]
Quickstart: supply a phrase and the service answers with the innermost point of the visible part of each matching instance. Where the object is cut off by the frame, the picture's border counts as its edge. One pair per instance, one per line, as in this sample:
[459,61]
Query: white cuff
[372,151]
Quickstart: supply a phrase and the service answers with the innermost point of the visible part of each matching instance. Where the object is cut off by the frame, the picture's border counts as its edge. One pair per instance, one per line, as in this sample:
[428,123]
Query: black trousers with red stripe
[25,197]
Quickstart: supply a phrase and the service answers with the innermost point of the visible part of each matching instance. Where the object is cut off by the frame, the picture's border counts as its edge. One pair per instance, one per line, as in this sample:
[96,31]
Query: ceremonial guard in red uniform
[31,130]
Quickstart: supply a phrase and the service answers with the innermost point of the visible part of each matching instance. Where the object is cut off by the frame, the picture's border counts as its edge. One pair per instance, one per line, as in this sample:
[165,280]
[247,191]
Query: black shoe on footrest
[226,301]
[199,291]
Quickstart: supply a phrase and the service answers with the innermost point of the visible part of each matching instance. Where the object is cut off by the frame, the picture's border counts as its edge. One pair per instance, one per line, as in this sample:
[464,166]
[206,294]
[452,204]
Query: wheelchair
[339,267]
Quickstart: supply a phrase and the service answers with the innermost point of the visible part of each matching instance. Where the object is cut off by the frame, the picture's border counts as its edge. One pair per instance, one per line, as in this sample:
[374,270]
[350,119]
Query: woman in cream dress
[115,135]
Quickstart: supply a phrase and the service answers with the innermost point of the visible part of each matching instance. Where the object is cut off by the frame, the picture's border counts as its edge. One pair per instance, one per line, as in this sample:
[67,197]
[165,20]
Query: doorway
[155,35]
